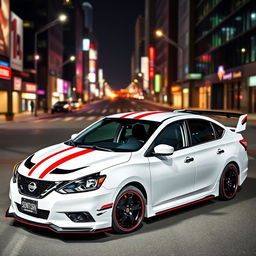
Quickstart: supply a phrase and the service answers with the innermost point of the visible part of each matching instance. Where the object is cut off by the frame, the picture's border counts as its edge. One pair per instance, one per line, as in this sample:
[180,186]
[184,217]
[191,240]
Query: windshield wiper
[94,147]
[70,143]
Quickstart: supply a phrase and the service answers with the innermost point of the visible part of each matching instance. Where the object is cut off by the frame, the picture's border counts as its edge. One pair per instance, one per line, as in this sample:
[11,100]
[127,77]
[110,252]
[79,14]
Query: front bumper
[58,205]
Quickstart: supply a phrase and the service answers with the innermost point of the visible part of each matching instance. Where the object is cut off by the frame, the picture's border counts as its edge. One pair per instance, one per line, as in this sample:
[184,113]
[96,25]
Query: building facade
[225,54]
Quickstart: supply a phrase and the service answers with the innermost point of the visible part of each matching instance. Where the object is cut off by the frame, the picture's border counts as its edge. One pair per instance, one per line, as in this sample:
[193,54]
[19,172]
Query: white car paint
[168,181]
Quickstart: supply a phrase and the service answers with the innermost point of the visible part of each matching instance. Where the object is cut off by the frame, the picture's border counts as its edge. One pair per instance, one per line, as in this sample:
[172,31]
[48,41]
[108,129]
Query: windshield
[116,134]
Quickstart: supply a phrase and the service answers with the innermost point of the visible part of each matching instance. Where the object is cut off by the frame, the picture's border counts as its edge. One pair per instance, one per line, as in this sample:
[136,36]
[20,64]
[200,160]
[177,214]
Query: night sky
[114,25]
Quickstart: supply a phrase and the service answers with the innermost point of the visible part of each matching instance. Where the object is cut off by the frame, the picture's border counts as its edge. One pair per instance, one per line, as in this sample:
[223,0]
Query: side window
[172,135]
[218,130]
[201,131]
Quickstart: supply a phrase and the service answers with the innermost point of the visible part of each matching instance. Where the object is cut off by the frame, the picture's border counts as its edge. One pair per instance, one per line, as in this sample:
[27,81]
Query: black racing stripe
[28,163]
[63,171]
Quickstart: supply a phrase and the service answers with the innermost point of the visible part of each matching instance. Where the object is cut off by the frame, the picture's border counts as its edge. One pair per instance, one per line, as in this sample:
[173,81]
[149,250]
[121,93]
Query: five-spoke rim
[230,182]
[129,210]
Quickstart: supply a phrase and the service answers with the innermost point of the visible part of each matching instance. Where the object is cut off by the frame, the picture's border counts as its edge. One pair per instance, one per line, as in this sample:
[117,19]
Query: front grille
[42,187]
[42,214]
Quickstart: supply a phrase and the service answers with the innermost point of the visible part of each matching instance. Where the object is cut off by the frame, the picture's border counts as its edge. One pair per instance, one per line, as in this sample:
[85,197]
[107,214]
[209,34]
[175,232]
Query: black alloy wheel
[129,210]
[229,182]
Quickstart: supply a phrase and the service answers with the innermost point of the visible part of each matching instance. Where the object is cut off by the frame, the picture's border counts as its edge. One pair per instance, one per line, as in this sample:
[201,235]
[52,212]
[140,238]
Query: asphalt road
[208,228]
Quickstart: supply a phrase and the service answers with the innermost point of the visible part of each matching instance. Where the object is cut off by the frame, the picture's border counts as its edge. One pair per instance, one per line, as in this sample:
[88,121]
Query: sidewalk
[24,116]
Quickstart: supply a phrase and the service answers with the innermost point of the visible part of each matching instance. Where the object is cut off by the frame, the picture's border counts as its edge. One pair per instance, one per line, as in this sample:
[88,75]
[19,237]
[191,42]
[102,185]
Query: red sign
[151,57]
[17,83]
[176,89]
[5,72]
[29,87]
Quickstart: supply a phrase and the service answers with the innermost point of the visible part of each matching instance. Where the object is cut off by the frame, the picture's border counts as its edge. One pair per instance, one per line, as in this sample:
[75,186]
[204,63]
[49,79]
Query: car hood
[62,162]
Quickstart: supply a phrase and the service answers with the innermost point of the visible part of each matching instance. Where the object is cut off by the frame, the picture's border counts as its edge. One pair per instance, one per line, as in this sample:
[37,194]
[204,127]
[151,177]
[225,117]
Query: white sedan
[126,167]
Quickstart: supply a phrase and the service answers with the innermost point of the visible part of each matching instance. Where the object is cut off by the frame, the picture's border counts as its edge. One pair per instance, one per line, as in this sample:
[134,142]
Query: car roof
[156,116]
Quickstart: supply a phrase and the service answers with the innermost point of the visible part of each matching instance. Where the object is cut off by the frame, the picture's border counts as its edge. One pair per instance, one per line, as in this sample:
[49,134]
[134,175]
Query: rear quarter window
[201,131]
[219,131]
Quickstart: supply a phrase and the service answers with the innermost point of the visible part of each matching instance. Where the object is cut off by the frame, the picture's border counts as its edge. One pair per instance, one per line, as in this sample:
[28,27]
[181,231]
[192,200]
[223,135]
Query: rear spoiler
[241,125]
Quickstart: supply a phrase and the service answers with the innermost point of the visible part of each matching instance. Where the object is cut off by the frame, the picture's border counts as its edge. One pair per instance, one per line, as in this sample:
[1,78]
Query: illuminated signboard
[157,83]
[29,87]
[176,89]
[222,75]
[194,76]
[59,85]
[151,56]
[86,44]
[252,81]
[4,27]
[17,83]
[5,73]
[16,42]
[92,66]
[144,69]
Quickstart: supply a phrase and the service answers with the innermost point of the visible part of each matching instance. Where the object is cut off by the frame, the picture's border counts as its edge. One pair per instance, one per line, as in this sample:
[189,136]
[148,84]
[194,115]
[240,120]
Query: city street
[209,228]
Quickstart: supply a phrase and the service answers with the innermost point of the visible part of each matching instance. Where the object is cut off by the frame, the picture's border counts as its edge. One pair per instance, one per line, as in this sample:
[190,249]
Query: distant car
[126,167]
[61,106]
[75,104]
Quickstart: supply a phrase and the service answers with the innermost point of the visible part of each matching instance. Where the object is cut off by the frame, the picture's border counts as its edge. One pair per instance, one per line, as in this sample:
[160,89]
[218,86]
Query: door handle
[220,151]
[188,159]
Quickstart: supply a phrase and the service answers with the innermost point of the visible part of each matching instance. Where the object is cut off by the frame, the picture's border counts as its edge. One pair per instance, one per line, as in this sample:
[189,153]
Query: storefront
[5,76]
[176,93]
[28,96]
[252,93]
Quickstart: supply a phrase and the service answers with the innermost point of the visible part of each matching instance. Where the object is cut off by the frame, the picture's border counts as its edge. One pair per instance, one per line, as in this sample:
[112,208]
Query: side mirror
[73,136]
[163,150]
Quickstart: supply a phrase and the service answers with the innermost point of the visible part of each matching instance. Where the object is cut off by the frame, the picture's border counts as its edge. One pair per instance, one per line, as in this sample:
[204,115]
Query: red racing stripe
[48,157]
[63,160]
[148,114]
[129,114]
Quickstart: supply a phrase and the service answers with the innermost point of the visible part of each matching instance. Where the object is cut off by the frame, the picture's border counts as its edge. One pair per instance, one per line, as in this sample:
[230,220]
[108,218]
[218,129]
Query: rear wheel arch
[236,165]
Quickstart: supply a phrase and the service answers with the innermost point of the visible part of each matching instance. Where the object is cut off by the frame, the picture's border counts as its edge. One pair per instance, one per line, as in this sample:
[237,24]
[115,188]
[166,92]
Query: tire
[228,182]
[128,211]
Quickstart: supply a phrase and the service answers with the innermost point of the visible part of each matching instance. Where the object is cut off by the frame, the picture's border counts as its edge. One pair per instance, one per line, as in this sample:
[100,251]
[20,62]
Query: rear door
[209,152]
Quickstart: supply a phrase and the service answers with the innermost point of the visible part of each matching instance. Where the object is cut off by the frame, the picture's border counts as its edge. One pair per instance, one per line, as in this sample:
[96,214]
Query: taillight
[243,142]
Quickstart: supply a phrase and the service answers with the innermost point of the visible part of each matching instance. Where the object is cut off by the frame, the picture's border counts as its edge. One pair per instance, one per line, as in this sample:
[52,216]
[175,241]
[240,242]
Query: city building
[45,88]
[225,55]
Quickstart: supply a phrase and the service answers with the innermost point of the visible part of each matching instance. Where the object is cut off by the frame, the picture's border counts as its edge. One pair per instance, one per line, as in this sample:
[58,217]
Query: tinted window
[218,130]
[201,131]
[117,134]
[171,135]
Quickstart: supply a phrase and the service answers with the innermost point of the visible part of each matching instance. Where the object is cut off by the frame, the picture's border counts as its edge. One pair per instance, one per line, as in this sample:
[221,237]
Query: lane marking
[104,111]
[48,157]
[80,118]
[90,111]
[14,245]
[66,119]
[63,160]
[90,118]
[118,110]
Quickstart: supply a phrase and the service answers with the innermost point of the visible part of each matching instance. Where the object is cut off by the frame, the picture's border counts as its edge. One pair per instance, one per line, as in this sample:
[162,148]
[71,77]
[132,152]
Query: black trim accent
[63,171]
[210,113]
[53,227]
[28,163]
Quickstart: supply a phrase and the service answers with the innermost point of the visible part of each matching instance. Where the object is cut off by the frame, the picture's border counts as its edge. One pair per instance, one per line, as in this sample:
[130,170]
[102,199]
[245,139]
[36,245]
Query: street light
[160,34]
[62,18]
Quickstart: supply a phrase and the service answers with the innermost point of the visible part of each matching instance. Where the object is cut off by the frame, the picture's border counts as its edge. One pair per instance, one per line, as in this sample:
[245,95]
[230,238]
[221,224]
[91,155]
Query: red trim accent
[244,120]
[69,232]
[63,160]
[106,206]
[148,114]
[48,157]
[243,142]
[181,206]
[129,114]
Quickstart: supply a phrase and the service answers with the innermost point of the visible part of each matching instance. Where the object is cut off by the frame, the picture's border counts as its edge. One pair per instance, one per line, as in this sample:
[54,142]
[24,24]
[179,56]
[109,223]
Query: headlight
[66,106]
[88,183]
[15,172]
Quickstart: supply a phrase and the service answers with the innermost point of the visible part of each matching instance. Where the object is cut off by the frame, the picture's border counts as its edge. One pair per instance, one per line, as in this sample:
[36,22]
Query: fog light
[80,216]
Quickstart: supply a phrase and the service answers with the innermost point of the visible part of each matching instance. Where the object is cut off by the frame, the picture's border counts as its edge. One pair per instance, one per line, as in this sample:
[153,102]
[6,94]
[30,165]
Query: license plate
[28,205]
